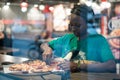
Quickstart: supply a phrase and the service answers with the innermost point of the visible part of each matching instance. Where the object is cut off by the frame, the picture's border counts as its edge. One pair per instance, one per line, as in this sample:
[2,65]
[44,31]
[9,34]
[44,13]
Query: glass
[118,68]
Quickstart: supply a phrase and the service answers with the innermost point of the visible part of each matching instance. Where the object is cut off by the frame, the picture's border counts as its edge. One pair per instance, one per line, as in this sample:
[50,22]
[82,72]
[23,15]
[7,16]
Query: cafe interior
[26,24]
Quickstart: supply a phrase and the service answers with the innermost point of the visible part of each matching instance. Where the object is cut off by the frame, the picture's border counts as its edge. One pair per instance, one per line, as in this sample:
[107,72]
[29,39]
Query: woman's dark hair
[83,11]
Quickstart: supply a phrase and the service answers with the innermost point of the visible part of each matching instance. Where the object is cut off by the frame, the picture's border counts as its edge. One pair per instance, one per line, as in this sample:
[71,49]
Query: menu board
[114,40]
[114,23]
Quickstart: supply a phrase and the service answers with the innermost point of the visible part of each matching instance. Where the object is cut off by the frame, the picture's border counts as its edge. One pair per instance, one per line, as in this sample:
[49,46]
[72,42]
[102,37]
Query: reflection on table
[6,50]
[94,76]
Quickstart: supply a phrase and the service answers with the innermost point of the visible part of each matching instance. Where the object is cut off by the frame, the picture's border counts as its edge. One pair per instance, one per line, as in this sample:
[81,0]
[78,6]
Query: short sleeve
[106,53]
[63,45]
[58,41]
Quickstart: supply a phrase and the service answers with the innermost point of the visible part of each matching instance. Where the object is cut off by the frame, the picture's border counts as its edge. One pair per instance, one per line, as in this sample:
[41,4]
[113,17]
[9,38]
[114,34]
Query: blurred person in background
[86,52]
[1,35]
[1,29]
[43,36]
[1,32]
[1,38]
[48,20]
[115,10]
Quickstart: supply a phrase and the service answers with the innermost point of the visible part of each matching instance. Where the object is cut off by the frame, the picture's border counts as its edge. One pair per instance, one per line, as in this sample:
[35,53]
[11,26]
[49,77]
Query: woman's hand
[81,65]
[74,67]
[47,51]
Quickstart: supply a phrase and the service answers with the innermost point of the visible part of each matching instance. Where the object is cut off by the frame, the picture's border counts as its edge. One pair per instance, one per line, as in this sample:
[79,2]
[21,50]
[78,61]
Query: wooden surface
[94,76]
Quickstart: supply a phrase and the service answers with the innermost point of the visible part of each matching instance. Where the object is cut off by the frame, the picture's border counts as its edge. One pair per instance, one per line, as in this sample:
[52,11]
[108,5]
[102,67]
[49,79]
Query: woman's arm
[109,66]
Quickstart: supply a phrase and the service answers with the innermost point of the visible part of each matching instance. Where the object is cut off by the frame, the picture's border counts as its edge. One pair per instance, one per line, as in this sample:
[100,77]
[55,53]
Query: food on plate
[32,66]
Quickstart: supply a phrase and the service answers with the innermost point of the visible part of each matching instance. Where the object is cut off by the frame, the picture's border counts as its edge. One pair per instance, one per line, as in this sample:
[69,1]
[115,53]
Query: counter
[94,76]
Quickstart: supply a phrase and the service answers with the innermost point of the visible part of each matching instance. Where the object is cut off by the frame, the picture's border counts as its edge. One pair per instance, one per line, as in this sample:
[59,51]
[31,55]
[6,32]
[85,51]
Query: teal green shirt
[64,44]
[95,47]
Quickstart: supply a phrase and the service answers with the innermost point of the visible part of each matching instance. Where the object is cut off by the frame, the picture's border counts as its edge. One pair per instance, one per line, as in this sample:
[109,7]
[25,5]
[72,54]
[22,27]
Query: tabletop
[94,76]
[37,76]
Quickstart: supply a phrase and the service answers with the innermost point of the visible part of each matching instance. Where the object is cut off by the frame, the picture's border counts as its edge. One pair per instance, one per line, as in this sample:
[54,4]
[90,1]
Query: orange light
[103,0]
[24,4]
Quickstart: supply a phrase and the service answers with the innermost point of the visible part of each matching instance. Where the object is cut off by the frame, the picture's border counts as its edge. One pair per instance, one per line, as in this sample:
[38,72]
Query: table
[11,59]
[51,76]
[94,76]
[36,76]
[6,50]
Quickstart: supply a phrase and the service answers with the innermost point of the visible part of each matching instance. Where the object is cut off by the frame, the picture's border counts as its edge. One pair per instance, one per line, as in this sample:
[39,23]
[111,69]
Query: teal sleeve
[106,53]
[63,45]
[57,41]
[51,43]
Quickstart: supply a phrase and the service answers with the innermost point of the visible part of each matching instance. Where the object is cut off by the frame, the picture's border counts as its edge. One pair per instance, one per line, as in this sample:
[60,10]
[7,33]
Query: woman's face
[78,25]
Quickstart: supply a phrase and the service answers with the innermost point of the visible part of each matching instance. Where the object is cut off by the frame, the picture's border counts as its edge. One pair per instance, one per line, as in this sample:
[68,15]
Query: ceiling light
[35,5]
[23,9]
[41,7]
[6,7]
[8,3]
[24,4]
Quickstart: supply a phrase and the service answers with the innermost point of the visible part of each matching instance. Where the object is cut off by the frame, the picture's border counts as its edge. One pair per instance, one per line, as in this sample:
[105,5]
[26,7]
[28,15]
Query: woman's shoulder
[69,35]
[97,36]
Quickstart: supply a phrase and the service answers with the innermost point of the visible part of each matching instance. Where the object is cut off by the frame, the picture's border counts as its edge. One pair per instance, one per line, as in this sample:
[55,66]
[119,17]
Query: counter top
[13,59]
[94,76]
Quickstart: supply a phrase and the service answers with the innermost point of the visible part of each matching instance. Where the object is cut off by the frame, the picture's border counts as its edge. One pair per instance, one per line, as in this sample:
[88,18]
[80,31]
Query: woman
[93,48]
